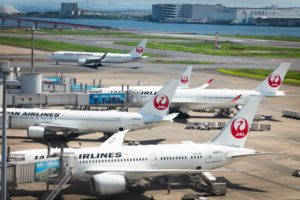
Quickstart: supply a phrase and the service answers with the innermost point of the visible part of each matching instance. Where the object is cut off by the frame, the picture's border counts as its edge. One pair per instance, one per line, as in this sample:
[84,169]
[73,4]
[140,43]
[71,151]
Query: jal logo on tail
[184,79]
[239,128]
[274,80]
[161,102]
[139,49]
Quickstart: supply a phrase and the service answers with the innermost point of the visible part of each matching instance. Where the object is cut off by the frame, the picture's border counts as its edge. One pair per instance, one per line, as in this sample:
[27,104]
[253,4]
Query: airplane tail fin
[158,105]
[138,51]
[235,133]
[184,79]
[271,85]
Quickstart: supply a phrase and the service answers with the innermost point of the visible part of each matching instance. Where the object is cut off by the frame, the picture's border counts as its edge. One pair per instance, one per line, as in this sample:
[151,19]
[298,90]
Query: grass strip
[266,37]
[228,49]
[104,33]
[291,78]
[188,62]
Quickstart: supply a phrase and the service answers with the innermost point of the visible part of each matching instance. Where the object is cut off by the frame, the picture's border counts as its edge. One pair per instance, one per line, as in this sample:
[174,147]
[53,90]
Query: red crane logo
[184,79]
[239,128]
[139,49]
[161,102]
[274,80]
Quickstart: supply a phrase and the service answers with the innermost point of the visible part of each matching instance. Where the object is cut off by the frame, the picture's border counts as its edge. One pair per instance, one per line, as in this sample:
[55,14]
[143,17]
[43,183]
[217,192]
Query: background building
[69,10]
[8,9]
[221,14]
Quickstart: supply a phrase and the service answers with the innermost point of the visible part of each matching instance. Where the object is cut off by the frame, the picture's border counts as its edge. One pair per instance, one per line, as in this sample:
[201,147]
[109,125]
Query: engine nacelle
[38,132]
[82,61]
[107,184]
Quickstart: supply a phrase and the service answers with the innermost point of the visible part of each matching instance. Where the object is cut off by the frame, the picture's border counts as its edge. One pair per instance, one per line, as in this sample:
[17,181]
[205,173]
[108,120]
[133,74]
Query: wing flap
[152,172]
[58,127]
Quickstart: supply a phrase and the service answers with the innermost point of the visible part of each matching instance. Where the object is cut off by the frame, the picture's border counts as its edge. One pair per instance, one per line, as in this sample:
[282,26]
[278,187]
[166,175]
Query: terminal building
[204,13]
[69,10]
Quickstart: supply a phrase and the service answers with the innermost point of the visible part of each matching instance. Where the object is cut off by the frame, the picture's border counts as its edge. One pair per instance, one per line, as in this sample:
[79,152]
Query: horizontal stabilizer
[115,141]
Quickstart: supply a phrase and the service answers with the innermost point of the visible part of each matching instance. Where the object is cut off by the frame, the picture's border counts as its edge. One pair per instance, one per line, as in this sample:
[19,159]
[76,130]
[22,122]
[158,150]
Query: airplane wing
[115,141]
[150,172]
[241,156]
[205,85]
[58,127]
[94,60]
[194,103]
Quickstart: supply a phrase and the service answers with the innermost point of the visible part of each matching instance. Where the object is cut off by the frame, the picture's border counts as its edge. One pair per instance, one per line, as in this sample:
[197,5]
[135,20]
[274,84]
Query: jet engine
[38,132]
[82,61]
[107,184]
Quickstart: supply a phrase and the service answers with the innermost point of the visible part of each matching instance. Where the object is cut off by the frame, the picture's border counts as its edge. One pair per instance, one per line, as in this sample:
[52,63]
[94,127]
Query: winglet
[205,85]
[235,99]
[116,140]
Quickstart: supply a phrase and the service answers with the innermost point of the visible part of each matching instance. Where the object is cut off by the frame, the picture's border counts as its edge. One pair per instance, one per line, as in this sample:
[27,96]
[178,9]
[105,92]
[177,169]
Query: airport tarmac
[265,177]
[108,42]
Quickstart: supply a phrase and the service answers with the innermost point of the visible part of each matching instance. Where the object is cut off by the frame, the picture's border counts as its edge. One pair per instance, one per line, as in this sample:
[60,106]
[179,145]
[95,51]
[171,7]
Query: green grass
[104,33]
[188,62]
[267,37]
[51,46]
[292,77]
[228,49]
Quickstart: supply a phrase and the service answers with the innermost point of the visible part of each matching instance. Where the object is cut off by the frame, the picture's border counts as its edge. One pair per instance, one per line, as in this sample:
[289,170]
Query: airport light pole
[5,69]
[32,47]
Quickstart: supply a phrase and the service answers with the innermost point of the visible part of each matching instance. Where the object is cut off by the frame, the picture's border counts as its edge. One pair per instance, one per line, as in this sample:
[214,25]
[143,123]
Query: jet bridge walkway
[57,186]
[55,171]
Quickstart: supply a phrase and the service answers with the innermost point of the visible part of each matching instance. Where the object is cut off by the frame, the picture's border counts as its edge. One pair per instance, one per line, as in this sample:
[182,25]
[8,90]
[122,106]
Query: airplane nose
[53,55]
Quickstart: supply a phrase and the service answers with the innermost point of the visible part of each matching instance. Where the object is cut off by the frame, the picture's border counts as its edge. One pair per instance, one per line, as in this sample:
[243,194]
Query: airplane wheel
[183,115]
[72,136]
[137,189]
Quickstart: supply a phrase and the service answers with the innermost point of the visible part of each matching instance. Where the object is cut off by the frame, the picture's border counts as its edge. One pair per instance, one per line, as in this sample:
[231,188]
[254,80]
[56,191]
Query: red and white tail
[235,133]
[184,79]
[138,51]
[158,105]
[271,85]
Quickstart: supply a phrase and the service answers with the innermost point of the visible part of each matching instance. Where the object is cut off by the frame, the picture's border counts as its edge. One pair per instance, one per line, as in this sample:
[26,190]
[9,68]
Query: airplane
[186,99]
[41,123]
[184,81]
[93,59]
[112,167]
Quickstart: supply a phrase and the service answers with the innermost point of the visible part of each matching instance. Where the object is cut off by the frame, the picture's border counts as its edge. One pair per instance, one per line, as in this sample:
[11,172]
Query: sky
[138,4]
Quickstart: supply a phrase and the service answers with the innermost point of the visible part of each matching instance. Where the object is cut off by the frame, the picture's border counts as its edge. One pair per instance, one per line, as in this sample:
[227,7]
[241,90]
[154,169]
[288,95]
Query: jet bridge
[55,171]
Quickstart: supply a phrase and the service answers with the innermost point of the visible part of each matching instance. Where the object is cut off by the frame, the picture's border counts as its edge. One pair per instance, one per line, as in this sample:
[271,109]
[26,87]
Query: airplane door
[208,158]
[153,161]
[135,97]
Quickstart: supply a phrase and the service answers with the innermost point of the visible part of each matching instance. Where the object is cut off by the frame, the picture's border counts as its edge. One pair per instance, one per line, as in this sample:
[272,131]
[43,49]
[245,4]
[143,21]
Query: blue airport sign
[80,88]
[46,169]
[107,98]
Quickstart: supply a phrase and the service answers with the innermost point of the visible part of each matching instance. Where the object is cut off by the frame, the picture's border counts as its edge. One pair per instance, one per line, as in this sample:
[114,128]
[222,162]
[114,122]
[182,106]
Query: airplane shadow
[98,67]
[82,188]
[58,141]
[237,186]
[26,193]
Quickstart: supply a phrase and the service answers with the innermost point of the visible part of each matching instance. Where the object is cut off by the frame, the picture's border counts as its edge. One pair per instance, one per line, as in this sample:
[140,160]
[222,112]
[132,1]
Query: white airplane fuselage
[188,98]
[152,157]
[104,121]
[70,56]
